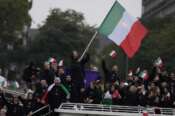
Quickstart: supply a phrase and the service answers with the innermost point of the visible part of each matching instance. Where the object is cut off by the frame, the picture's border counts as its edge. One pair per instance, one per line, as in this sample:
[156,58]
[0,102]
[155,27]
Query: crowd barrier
[78,109]
[42,108]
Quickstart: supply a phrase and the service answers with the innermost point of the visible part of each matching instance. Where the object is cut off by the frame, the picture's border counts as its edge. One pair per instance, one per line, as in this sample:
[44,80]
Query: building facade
[158,8]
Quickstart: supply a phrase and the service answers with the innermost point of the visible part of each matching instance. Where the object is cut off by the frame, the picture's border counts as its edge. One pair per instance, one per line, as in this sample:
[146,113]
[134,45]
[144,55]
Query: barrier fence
[41,109]
[78,109]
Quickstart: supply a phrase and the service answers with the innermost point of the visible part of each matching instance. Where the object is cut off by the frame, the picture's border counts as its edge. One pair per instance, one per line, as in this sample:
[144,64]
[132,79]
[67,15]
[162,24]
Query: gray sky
[93,10]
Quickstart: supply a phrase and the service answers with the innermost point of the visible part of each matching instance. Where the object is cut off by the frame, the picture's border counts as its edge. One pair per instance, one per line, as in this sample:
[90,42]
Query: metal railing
[112,110]
[41,109]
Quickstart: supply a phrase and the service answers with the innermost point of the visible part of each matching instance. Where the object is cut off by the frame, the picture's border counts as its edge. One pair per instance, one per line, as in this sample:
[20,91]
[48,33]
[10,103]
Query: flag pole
[93,37]
[88,46]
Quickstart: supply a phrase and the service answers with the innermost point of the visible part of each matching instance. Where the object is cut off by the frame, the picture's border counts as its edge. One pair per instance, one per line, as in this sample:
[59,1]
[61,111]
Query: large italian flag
[123,29]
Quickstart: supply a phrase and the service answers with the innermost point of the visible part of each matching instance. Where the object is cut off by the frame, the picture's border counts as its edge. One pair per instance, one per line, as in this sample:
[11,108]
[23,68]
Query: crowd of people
[52,85]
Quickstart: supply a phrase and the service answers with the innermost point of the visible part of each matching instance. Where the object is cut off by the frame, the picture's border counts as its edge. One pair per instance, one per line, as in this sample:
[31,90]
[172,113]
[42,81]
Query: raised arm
[85,59]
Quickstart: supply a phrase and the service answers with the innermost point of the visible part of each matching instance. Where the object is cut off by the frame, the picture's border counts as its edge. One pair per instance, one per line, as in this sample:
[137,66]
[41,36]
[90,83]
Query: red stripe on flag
[132,42]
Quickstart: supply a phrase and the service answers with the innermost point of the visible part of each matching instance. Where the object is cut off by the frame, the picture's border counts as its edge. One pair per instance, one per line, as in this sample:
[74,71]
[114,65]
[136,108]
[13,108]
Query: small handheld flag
[158,62]
[130,73]
[52,60]
[144,75]
[61,63]
[113,54]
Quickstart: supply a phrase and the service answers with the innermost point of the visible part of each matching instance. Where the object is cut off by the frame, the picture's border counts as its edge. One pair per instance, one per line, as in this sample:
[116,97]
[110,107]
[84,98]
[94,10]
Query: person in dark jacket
[29,74]
[172,88]
[77,74]
[56,94]
[91,94]
[28,103]
[1,103]
[47,74]
[83,95]
[61,74]
[132,96]
[68,83]
[142,95]
[111,76]
[39,93]
[14,108]
[99,92]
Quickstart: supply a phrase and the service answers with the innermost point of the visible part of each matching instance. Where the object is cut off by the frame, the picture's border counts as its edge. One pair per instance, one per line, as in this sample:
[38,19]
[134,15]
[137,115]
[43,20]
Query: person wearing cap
[53,65]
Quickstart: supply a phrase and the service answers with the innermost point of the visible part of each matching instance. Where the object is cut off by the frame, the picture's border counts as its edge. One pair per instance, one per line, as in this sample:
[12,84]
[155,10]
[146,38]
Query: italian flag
[144,75]
[113,54]
[44,97]
[158,62]
[123,29]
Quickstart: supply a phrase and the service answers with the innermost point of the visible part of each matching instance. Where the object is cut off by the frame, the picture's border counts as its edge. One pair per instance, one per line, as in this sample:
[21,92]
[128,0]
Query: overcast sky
[93,10]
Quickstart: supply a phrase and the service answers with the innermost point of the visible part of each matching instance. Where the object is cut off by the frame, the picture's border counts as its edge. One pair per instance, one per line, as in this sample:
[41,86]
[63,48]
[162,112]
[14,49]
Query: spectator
[29,74]
[39,94]
[132,97]
[14,108]
[111,76]
[61,74]
[142,92]
[107,98]
[136,89]
[56,95]
[91,94]
[115,95]
[47,74]
[172,88]
[166,98]
[99,92]
[28,104]
[77,74]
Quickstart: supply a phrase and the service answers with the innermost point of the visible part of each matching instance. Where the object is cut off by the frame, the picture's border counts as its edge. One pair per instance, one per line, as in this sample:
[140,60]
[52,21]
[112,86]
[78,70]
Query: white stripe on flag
[122,29]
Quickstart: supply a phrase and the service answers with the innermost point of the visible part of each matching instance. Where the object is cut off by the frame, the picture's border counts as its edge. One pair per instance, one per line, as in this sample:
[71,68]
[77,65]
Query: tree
[61,33]
[13,17]
[159,42]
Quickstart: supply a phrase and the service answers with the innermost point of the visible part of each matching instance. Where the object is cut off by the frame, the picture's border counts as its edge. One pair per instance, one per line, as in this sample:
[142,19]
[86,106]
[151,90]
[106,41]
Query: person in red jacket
[115,95]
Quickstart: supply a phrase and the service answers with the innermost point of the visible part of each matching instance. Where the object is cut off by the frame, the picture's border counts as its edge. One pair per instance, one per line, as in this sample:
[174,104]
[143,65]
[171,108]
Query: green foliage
[65,31]
[61,33]
[159,42]
[13,16]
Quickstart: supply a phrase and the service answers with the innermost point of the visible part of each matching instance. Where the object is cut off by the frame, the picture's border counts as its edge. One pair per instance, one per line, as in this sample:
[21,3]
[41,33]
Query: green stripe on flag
[112,19]
[65,89]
